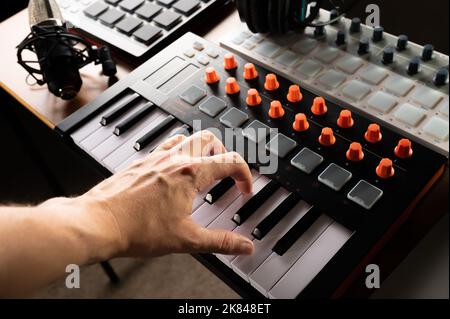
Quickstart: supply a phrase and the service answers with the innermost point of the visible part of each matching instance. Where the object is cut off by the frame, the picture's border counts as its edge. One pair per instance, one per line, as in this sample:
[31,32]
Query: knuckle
[226,243]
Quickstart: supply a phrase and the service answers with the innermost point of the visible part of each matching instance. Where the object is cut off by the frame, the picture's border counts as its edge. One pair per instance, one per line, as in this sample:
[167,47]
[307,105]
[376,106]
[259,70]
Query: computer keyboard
[135,27]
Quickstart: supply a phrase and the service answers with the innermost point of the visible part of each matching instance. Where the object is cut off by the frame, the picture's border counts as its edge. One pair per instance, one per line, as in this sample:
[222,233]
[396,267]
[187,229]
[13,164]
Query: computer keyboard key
[148,11]
[128,25]
[167,19]
[187,7]
[96,9]
[131,5]
[111,17]
[147,33]
[166,3]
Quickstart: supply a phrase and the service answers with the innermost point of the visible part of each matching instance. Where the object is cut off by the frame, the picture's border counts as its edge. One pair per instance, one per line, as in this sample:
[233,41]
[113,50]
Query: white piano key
[311,263]
[245,265]
[275,266]
[247,227]
[207,212]
[113,142]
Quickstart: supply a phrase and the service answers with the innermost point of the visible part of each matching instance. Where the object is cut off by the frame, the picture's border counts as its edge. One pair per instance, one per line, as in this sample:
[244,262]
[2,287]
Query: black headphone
[280,16]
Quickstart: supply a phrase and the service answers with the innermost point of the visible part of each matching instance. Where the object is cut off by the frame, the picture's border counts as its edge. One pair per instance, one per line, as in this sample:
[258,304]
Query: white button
[437,128]
[189,53]
[374,75]
[309,68]
[268,49]
[202,59]
[249,45]
[382,102]
[238,40]
[332,79]
[349,64]
[213,53]
[399,86]
[288,58]
[444,108]
[198,46]
[304,46]
[257,38]
[356,90]
[327,55]
[409,114]
[426,97]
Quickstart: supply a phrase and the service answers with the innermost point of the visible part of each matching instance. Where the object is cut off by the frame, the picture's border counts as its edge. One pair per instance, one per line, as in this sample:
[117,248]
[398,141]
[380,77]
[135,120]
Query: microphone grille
[44,12]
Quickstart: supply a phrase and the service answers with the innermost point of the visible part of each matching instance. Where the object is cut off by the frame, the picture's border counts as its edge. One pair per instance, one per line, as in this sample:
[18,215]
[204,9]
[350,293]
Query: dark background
[24,180]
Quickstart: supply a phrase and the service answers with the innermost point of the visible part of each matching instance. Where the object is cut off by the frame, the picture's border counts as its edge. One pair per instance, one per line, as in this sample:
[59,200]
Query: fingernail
[246,246]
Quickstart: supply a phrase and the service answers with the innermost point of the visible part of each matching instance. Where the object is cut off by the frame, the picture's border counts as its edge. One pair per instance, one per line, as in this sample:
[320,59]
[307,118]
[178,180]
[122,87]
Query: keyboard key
[183,130]
[126,124]
[307,160]
[437,128]
[130,5]
[128,25]
[281,145]
[382,102]
[332,79]
[255,202]
[311,262]
[276,216]
[309,68]
[398,86]
[96,9]
[193,95]
[147,33]
[335,177]
[305,46]
[186,7]
[154,133]
[327,55]
[365,194]
[267,49]
[356,90]
[220,189]
[234,118]
[166,3]
[167,19]
[287,58]
[148,11]
[111,17]
[373,75]
[213,106]
[349,64]
[256,131]
[124,105]
[113,2]
[426,97]
[410,114]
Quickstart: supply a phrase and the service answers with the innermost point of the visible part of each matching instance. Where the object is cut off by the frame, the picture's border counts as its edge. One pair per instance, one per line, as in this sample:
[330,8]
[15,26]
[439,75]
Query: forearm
[37,243]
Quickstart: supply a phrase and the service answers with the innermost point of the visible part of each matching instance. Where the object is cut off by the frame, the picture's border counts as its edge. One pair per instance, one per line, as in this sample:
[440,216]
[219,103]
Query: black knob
[355,26]
[334,14]
[341,38]
[441,77]
[377,34]
[363,47]
[388,55]
[427,52]
[414,66]
[319,31]
[402,42]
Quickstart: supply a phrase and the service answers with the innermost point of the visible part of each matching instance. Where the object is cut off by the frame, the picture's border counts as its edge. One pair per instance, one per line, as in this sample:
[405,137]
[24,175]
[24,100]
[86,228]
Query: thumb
[224,242]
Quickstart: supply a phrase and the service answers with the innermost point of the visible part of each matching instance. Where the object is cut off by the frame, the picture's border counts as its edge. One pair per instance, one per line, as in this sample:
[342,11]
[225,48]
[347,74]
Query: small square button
[444,108]
[212,53]
[287,58]
[234,118]
[202,59]
[382,102]
[309,68]
[332,79]
[167,19]
[213,106]
[304,46]
[409,114]
[349,64]
[267,49]
[356,90]
[335,177]
[147,33]
[281,145]
[437,128]
[374,75]
[307,160]
[426,97]
[398,85]
[187,7]
[365,194]
[256,131]
[327,55]
[193,95]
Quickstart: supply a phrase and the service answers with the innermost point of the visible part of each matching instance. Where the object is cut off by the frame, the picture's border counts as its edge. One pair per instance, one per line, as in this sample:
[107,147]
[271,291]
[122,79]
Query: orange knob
[253,98]
[250,72]
[373,133]
[232,86]
[229,62]
[294,95]
[355,152]
[345,119]
[272,83]
[385,169]
[211,76]
[403,149]
[276,110]
[319,106]
[301,123]
[327,137]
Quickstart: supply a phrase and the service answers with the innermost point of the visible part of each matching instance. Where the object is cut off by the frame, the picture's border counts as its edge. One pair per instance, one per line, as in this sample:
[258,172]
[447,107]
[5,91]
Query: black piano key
[217,191]
[126,124]
[297,231]
[255,202]
[185,130]
[123,106]
[154,133]
[278,214]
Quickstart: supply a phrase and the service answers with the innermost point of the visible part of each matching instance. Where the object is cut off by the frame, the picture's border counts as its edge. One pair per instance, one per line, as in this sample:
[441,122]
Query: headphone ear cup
[272,16]
[258,15]
[285,15]
[244,9]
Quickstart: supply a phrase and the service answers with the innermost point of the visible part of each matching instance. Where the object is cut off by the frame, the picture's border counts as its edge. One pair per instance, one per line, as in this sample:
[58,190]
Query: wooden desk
[51,110]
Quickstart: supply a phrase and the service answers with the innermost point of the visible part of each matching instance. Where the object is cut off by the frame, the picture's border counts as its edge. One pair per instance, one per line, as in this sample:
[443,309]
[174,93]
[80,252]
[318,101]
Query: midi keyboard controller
[344,181]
